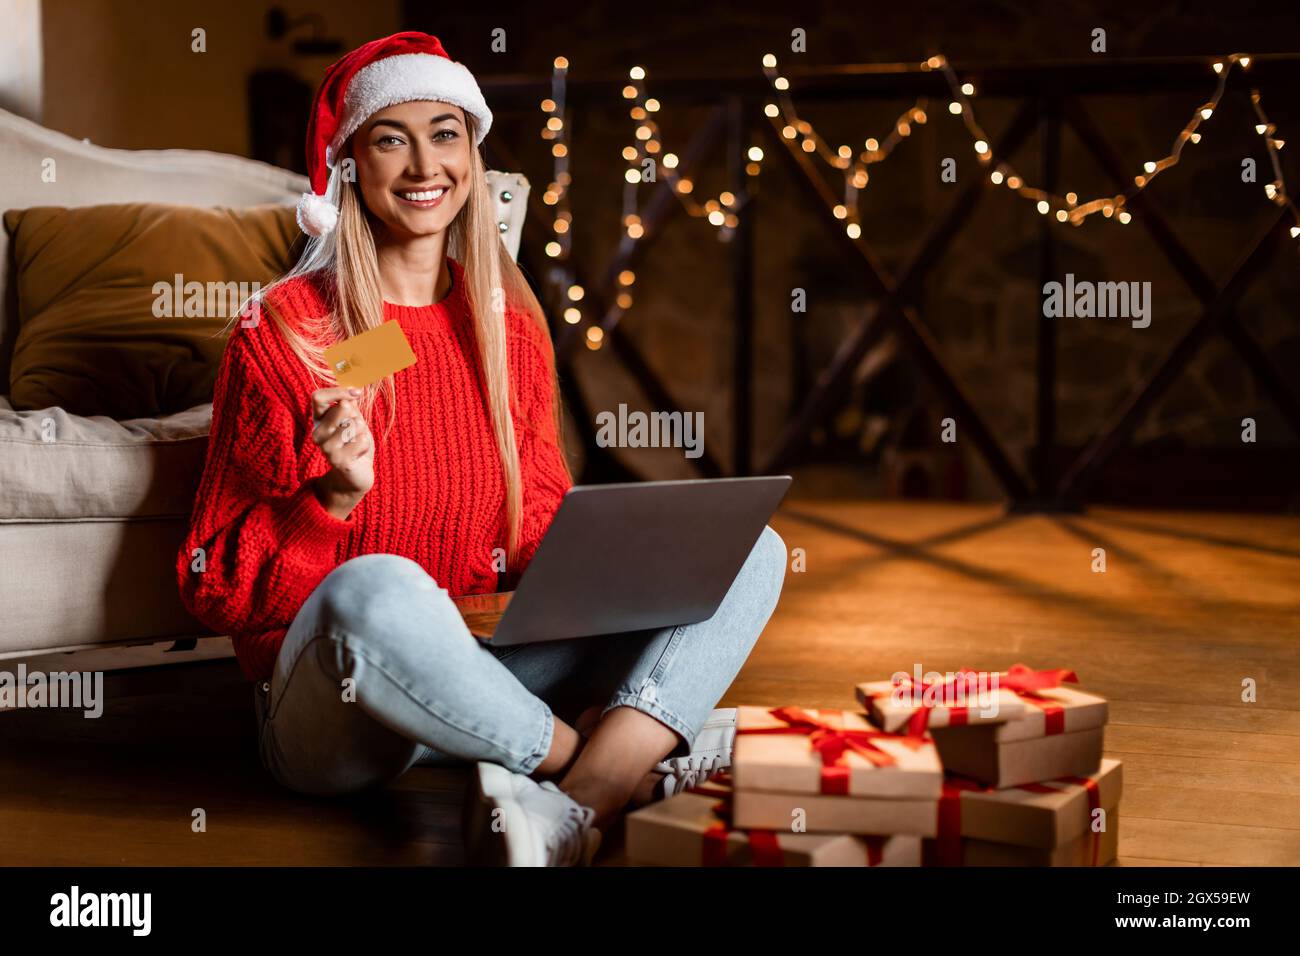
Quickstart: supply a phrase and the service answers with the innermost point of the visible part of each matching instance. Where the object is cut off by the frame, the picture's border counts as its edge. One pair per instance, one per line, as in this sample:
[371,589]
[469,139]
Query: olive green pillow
[106,327]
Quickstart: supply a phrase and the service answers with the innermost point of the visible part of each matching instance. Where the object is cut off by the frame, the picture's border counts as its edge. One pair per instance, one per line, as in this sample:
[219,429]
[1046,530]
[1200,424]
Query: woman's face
[413,166]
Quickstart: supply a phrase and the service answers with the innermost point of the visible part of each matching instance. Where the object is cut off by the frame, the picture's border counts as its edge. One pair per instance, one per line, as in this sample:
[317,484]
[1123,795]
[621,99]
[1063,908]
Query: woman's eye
[450,133]
[389,141]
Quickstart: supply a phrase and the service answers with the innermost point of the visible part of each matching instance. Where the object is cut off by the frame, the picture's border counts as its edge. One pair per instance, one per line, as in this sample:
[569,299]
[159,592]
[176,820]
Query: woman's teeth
[424,196]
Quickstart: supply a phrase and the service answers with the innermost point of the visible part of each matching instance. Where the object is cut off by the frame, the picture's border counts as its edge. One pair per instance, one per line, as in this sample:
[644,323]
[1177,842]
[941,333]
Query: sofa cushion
[57,467]
[88,583]
[123,309]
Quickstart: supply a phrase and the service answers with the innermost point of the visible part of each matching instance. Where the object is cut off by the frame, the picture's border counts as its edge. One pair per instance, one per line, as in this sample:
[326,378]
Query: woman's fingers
[341,431]
[345,417]
[323,398]
[364,445]
[346,443]
[330,422]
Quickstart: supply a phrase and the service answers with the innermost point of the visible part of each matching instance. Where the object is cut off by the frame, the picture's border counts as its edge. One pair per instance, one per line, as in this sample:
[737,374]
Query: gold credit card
[366,358]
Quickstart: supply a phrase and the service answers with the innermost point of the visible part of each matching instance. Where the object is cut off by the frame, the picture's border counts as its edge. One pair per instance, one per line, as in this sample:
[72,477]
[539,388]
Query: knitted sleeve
[259,540]
[541,459]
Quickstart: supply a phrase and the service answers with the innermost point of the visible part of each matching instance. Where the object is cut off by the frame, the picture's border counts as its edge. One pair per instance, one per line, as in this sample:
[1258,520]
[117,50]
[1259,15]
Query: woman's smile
[422,198]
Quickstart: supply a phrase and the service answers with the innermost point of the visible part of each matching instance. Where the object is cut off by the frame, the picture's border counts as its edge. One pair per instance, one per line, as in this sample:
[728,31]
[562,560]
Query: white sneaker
[710,753]
[516,821]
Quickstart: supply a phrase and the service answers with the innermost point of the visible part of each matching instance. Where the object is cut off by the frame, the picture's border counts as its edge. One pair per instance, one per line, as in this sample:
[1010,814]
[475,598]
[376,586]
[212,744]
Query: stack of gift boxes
[948,772]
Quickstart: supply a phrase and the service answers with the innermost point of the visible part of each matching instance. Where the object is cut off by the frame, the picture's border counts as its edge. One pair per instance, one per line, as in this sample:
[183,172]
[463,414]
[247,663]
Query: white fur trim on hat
[403,79]
[316,215]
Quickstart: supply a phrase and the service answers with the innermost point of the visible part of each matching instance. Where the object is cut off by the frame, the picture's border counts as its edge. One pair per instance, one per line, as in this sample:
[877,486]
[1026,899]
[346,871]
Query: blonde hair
[345,264]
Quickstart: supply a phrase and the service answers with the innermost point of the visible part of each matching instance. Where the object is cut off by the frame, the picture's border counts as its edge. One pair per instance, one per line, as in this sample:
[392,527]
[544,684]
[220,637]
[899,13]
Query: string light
[1275,190]
[556,194]
[854,168]
[722,211]
[1004,172]
[1069,209]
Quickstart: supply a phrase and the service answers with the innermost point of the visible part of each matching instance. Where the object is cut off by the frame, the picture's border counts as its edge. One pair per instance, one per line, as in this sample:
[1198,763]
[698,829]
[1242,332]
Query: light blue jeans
[378,673]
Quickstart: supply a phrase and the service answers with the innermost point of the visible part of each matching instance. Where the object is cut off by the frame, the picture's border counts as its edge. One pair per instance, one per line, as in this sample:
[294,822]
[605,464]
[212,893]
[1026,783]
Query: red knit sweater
[439,491]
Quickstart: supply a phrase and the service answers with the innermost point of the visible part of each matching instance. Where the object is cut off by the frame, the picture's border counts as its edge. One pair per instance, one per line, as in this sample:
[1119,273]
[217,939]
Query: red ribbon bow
[1023,681]
[1026,682]
[832,742]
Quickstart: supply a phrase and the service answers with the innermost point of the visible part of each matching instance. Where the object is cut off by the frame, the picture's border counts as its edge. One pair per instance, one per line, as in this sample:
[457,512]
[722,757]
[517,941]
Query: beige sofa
[90,523]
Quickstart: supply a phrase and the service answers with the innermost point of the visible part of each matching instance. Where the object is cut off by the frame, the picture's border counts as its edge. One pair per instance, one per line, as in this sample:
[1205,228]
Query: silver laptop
[630,556]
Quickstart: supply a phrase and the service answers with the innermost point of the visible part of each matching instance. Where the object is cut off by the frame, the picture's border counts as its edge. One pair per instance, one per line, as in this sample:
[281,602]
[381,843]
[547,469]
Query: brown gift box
[1041,815]
[892,709]
[975,752]
[834,814]
[782,779]
[691,829]
[1059,735]
[766,758]
[1076,852]
[967,697]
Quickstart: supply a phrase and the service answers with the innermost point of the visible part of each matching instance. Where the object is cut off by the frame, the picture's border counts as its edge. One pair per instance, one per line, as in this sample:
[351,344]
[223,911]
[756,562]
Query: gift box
[1076,852]
[694,828]
[976,752]
[821,814]
[1060,734]
[1042,816]
[916,704]
[830,770]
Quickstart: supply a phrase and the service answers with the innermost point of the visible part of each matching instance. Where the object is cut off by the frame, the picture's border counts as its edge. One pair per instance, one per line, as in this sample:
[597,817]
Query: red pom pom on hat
[397,69]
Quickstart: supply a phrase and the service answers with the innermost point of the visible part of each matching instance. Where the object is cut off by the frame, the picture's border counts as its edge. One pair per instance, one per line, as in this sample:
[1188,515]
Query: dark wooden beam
[892,308]
[1044,453]
[1125,419]
[1094,75]
[1265,371]
[742,289]
[1217,313]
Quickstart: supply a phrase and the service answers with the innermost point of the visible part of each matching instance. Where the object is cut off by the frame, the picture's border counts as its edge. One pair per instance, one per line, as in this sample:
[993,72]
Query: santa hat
[383,73]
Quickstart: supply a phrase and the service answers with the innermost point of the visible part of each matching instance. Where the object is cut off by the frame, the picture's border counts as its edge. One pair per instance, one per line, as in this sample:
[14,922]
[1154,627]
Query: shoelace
[571,836]
[566,842]
[692,771]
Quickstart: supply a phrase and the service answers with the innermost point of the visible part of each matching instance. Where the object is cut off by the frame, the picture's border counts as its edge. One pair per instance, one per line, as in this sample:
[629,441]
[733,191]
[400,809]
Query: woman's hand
[344,438]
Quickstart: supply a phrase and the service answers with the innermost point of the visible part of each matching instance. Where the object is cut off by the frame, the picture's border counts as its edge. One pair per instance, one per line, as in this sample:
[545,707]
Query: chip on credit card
[366,358]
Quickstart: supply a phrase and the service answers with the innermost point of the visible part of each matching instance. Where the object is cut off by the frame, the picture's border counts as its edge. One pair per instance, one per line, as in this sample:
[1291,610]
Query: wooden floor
[1188,607]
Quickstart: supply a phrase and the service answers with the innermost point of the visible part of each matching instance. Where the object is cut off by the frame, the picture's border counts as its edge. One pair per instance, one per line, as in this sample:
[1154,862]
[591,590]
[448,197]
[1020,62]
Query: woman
[330,551]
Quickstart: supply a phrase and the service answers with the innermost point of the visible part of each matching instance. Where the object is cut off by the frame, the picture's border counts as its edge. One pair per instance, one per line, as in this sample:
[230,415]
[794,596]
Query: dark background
[981,301]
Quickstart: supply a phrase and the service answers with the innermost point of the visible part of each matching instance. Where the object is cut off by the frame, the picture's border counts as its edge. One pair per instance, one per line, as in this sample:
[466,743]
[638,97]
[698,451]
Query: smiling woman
[390,127]
[332,555]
